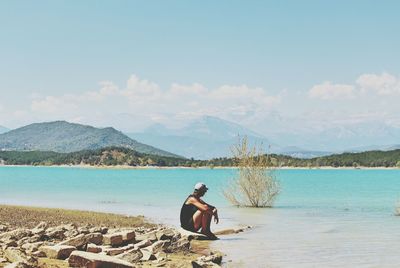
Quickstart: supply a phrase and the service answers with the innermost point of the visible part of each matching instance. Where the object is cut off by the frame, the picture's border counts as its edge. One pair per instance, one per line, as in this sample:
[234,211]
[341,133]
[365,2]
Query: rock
[215,258]
[158,246]
[18,265]
[31,247]
[116,251]
[147,254]
[132,256]
[40,228]
[10,243]
[93,248]
[202,264]
[113,239]
[3,260]
[60,252]
[165,234]
[103,230]
[16,234]
[83,230]
[55,233]
[38,254]
[182,244]
[150,236]
[192,235]
[71,233]
[34,238]
[77,241]
[143,243]
[95,238]
[88,259]
[16,255]
[3,228]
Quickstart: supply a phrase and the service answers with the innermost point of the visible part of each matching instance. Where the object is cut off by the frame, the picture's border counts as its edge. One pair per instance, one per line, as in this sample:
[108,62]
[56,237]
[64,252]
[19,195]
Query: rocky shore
[126,242]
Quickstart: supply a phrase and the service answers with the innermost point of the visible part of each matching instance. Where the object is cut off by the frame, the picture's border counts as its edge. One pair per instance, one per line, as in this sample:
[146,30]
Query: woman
[196,213]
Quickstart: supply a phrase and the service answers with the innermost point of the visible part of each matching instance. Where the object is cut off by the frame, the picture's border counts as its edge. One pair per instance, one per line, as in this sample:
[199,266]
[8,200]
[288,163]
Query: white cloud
[384,84]
[147,101]
[327,91]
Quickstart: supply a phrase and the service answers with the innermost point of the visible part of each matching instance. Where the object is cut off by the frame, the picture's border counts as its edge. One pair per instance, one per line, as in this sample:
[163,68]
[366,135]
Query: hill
[109,156]
[123,156]
[61,136]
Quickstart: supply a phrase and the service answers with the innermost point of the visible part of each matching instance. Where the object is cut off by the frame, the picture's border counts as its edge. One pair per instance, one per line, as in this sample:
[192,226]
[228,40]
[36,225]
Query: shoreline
[122,167]
[180,251]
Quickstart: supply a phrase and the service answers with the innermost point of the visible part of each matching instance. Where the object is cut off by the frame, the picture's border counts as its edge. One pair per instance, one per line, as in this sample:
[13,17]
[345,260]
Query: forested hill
[64,137]
[123,156]
[363,159]
[109,156]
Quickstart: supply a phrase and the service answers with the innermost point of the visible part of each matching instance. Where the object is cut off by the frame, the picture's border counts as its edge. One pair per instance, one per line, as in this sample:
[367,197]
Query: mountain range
[3,129]
[61,136]
[210,137]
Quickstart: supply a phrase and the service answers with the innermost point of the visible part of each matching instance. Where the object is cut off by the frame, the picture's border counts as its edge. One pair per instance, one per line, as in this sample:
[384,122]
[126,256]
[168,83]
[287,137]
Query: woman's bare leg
[197,220]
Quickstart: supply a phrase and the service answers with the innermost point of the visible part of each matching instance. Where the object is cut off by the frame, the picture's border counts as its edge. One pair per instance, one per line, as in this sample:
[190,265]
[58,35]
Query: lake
[322,218]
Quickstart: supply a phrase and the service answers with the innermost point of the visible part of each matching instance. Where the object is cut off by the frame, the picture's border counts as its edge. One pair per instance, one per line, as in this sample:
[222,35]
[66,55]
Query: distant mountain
[61,136]
[3,129]
[333,137]
[204,138]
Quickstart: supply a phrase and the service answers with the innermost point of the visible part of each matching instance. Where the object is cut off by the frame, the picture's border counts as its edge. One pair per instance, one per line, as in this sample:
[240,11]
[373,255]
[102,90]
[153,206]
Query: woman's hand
[216,218]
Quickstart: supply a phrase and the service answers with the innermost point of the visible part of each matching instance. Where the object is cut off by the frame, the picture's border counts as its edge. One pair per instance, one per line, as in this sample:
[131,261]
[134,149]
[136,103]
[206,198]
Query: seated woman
[196,213]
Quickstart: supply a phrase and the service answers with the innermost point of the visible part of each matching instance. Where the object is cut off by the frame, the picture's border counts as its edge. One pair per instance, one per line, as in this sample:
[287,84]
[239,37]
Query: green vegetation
[111,156]
[64,137]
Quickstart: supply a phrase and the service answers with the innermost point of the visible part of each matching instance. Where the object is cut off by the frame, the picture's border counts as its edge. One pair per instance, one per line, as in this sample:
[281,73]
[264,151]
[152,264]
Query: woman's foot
[211,236]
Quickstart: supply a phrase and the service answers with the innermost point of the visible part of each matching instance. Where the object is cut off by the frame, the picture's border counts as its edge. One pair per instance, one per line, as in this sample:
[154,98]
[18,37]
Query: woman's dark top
[187,212]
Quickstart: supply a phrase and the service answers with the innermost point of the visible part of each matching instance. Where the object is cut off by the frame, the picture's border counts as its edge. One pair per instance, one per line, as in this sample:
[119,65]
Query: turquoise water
[323,218]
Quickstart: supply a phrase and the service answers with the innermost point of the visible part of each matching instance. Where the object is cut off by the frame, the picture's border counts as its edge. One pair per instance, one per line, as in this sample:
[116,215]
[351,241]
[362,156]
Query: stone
[60,252]
[71,233]
[116,251]
[103,230]
[182,244]
[192,235]
[150,236]
[3,228]
[165,234]
[16,255]
[215,258]
[55,233]
[31,247]
[158,246]
[10,243]
[3,260]
[93,248]
[132,256]
[147,254]
[40,228]
[143,243]
[78,241]
[16,234]
[19,264]
[38,254]
[83,230]
[88,259]
[202,264]
[95,238]
[113,239]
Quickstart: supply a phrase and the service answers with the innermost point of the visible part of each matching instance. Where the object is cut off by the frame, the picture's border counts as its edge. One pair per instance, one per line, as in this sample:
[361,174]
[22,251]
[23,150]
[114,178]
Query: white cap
[200,185]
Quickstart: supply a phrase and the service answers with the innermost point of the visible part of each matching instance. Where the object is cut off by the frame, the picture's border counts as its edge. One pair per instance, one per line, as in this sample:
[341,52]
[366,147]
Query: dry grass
[255,185]
[29,217]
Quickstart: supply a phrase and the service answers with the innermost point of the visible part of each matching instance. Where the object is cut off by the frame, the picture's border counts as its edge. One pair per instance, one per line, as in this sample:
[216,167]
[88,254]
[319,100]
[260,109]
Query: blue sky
[303,60]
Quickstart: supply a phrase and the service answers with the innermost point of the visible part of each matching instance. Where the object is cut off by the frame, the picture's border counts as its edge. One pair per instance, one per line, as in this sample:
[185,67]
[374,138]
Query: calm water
[323,218]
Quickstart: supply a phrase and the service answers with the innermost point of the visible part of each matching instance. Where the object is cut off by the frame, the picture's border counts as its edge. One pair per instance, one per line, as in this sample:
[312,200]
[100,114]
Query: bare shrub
[255,184]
